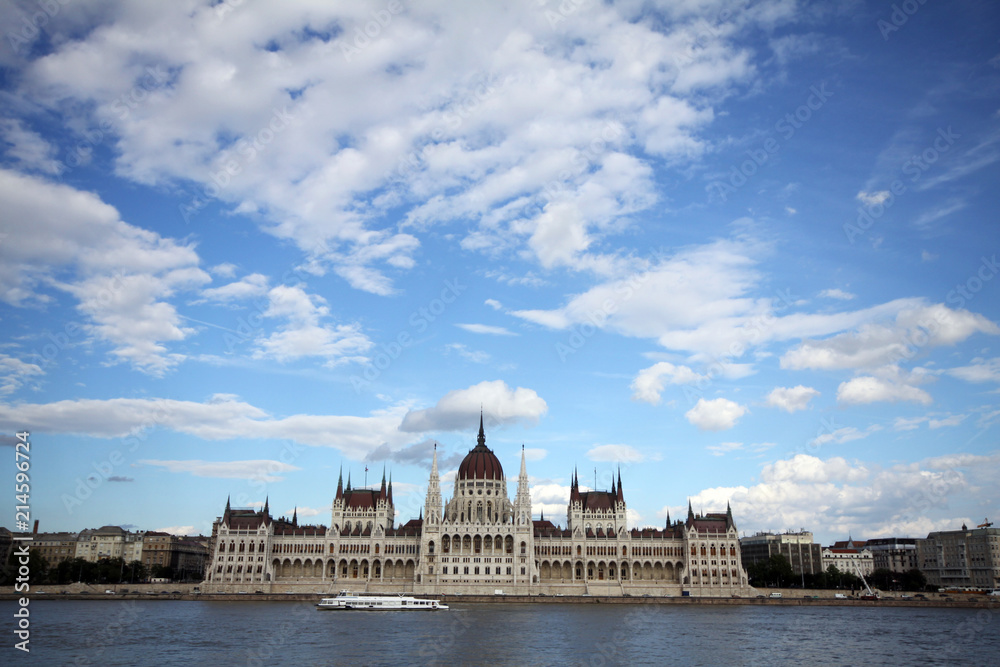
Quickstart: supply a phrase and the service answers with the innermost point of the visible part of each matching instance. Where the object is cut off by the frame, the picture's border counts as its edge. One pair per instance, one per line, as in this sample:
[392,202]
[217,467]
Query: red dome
[480,462]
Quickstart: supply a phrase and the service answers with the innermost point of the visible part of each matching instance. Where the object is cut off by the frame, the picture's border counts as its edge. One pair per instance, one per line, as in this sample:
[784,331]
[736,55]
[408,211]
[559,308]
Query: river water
[129,632]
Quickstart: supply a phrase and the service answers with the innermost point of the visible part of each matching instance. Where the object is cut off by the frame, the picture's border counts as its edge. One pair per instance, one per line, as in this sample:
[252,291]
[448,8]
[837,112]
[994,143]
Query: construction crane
[870,595]
[985,524]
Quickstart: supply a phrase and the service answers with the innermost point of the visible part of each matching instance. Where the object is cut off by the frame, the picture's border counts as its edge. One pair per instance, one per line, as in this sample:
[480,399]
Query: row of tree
[777,572]
[104,571]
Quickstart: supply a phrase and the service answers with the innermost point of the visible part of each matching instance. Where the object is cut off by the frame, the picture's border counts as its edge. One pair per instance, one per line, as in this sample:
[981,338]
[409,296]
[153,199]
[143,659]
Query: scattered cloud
[869,389]
[648,384]
[791,399]
[486,329]
[459,410]
[837,293]
[718,414]
[615,454]
[261,470]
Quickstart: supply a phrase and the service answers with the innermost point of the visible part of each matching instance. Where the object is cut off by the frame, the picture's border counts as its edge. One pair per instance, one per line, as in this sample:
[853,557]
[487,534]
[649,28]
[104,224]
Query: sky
[741,252]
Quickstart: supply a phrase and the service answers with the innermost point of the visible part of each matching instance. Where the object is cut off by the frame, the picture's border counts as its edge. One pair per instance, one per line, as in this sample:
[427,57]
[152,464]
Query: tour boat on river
[376,602]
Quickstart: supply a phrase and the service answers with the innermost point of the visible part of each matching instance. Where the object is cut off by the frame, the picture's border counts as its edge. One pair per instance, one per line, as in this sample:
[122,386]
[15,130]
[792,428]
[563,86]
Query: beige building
[109,542]
[967,558]
[849,557]
[478,542]
[55,547]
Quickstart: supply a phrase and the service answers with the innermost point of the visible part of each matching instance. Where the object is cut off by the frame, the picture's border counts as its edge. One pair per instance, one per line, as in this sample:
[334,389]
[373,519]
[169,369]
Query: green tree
[913,580]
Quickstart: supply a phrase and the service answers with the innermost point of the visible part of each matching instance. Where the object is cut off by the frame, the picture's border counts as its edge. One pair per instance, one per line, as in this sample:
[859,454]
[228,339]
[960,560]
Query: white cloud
[14,373]
[648,384]
[869,389]
[878,344]
[615,454]
[791,399]
[873,198]
[28,148]
[475,356]
[468,147]
[837,293]
[221,418]
[952,420]
[304,334]
[459,410]
[122,276]
[253,285]
[838,497]
[903,424]
[726,447]
[717,414]
[177,530]
[260,470]
[494,304]
[980,370]
[535,454]
[486,329]
[843,434]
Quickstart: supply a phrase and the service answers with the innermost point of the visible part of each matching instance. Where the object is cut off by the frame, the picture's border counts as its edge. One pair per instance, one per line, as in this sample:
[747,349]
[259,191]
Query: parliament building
[478,542]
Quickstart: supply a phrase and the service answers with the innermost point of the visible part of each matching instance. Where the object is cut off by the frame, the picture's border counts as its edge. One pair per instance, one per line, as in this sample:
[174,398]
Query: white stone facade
[479,542]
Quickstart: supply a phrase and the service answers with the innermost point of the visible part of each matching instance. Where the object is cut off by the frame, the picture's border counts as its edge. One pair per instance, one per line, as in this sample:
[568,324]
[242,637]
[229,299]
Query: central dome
[480,462]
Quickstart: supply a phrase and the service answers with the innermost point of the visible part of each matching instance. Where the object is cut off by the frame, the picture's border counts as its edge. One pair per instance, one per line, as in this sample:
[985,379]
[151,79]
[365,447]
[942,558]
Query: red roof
[597,500]
[480,463]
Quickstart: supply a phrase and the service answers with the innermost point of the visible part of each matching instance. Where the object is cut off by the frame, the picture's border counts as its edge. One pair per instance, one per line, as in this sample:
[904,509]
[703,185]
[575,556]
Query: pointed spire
[382,492]
[729,514]
[348,481]
[390,488]
[690,511]
[621,494]
[295,516]
[613,491]
[227,503]
[267,505]
[668,518]
[542,516]
[481,440]
[340,483]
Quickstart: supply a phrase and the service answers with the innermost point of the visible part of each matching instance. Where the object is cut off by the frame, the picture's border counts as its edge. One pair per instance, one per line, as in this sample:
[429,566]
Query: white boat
[375,602]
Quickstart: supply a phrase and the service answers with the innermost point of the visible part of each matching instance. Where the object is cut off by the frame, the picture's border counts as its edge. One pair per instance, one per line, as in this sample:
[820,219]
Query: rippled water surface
[124,632]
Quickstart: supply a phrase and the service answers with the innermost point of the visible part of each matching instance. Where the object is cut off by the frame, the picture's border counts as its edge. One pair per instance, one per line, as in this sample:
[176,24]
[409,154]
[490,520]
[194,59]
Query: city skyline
[743,251]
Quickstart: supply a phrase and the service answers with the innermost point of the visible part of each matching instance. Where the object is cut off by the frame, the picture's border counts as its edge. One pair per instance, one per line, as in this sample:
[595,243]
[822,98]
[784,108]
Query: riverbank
[962,602]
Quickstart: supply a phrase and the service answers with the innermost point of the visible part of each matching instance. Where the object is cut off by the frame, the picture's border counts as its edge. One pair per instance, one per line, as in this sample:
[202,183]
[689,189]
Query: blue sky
[744,251]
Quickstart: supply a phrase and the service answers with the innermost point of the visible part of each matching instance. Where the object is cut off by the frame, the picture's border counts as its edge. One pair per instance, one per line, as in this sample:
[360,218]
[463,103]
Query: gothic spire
[481,440]
[690,511]
[295,516]
[621,494]
[340,483]
[348,481]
